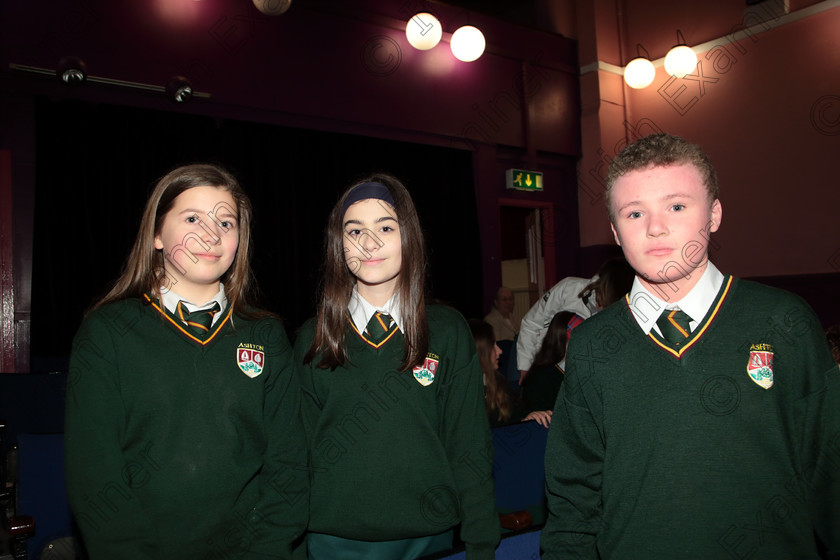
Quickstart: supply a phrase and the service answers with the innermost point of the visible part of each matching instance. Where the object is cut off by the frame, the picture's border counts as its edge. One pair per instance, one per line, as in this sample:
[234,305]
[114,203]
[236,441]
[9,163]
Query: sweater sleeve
[574,462]
[466,437]
[101,480]
[310,406]
[826,479]
[819,413]
[282,511]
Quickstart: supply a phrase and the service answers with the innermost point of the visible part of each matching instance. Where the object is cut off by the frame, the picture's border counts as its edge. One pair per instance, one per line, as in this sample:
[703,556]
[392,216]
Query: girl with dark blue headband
[393,403]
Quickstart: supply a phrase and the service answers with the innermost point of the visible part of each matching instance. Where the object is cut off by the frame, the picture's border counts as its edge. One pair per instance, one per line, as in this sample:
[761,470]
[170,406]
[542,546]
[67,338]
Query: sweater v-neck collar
[394,329]
[702,326]
[182,328]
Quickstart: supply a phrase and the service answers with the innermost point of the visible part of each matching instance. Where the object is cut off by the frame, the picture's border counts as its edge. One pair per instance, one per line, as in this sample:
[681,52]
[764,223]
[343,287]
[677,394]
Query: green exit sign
[523,180]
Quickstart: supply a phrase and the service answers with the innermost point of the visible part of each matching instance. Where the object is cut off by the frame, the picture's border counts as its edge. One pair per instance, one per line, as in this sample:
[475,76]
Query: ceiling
[520,12]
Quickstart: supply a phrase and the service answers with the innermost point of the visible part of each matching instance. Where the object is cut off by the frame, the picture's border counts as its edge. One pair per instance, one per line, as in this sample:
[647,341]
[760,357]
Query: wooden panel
[7,290]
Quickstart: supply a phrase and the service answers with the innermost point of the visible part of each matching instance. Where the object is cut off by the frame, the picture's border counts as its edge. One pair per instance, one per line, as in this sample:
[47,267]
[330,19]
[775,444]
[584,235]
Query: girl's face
[373,248]
[199,237]
[497,353]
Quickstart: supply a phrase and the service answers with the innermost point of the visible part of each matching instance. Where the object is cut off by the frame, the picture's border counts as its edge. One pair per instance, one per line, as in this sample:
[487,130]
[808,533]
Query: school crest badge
[760,366]
[425,374]
[251,359]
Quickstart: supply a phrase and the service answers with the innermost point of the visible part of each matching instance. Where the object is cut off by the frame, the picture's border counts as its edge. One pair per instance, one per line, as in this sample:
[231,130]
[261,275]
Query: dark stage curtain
[97,163]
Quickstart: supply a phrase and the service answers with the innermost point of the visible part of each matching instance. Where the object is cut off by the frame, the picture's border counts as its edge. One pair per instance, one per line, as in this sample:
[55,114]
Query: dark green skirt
[329,547]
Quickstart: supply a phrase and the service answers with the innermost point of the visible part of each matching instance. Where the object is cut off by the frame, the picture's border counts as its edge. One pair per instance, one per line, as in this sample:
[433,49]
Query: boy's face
[663,219]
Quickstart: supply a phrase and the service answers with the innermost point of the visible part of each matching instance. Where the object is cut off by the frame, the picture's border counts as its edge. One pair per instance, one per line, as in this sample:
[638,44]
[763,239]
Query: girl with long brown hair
[183,435]
[392,398]
[501,405]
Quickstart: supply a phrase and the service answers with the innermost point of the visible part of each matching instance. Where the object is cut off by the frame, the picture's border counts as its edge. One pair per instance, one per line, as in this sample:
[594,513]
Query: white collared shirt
[362,310]
[646,307]
[170,300]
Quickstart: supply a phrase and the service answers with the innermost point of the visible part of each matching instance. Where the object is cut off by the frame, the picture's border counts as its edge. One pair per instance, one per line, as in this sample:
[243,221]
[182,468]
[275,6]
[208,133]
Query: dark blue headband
[368,190]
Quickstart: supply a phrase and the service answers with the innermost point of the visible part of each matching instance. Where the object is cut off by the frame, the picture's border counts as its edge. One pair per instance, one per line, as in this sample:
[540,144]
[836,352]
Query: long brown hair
[144,272]
[553,347]
[498,400]
[337,282]
[615,278]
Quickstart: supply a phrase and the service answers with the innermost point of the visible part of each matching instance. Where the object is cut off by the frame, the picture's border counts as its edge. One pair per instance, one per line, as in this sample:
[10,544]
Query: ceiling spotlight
[71,71]
[423,31]
[273,7]
[680,60]
[179,89]
[467,43]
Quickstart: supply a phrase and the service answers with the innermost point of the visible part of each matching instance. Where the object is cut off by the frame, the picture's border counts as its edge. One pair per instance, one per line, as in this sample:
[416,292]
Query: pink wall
[767,111]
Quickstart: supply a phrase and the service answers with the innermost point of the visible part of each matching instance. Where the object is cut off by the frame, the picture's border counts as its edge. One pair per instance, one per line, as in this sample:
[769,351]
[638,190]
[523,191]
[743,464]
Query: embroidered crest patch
[760,366]
[251,359]
[425,374]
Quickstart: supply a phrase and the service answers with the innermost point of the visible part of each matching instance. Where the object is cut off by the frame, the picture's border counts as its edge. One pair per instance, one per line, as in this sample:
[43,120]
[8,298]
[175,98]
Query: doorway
[528,250]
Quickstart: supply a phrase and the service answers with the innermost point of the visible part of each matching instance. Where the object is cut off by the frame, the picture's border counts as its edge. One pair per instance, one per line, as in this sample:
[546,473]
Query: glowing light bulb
[639,73]
[423,31]
[680,61]
[467,43]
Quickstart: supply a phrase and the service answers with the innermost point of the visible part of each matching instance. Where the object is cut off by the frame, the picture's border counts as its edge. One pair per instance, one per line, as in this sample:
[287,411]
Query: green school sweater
[658,454]
[178,448]
[400,454]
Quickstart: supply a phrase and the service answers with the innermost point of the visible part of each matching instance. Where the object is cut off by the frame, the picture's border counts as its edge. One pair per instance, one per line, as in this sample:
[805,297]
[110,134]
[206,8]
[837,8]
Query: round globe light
[423,31]
[639,73]
[680,61]
[467,43]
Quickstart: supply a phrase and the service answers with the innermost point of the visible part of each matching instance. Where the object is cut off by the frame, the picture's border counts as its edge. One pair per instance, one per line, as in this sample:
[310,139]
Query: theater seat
[42,495]
[32,411]
[519,469]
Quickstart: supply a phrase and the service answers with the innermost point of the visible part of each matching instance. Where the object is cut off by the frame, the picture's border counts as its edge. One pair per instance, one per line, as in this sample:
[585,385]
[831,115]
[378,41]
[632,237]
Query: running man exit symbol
[523,180]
